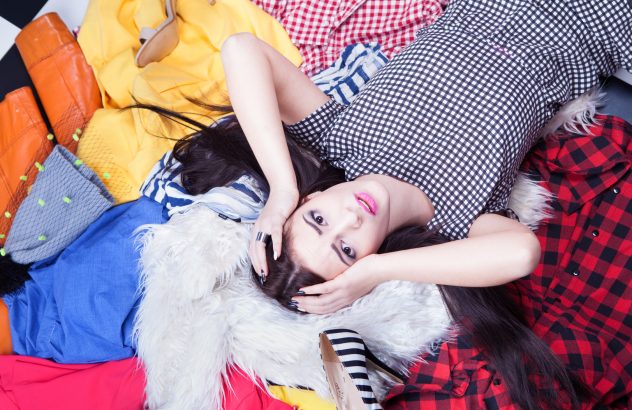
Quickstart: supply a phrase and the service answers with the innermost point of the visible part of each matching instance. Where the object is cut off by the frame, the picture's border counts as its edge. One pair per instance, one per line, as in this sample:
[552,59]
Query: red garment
[579,299]
[29,383]
[321,29]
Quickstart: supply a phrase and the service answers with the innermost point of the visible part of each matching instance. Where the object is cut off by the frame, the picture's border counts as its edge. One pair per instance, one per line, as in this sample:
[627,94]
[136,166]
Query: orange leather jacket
[69,94]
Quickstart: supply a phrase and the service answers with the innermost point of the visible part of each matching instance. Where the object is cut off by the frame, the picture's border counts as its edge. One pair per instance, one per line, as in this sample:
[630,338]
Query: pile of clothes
[62,189]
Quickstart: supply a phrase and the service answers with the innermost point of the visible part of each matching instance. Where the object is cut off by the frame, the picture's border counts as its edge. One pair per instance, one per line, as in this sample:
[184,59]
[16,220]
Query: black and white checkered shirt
[458,109]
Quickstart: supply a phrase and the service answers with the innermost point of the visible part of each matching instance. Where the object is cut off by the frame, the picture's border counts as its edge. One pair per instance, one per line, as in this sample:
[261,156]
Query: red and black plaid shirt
[579,299]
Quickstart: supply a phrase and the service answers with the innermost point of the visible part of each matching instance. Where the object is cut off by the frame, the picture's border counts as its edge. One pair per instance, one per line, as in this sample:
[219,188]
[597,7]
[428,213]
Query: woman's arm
[265,89]
[497,250]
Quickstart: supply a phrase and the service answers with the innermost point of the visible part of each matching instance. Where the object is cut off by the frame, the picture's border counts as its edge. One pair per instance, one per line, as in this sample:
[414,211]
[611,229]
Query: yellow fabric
[123,146]
[301,398]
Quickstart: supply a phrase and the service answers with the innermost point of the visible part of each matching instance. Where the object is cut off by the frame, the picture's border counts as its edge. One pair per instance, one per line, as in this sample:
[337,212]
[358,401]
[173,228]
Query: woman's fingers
[254,252]
[325,298]
[263,235]
[320,288]
[277,238]
[270,224]
[322,304]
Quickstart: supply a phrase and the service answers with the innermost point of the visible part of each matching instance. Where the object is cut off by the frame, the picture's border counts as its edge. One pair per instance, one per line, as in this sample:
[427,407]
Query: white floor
[70,11]
[8,32]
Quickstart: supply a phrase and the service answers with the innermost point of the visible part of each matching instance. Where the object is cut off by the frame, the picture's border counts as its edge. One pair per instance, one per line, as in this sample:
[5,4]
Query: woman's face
[334,228]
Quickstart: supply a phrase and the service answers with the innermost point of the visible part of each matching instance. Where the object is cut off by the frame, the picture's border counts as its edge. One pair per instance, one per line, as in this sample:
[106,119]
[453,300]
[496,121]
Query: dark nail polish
[300,293]
[261,280]
[293,304]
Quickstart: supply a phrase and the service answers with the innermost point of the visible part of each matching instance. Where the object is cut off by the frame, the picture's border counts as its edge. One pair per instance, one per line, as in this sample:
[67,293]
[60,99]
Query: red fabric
[579,299]
[28,383]
[321,29]
[245,395]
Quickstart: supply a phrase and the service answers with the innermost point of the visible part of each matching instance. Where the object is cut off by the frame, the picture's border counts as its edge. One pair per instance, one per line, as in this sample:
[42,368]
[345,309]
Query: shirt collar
[579,167]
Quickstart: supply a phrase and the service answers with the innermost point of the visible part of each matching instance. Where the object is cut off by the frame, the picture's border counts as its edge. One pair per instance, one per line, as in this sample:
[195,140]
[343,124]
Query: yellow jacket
[122,146]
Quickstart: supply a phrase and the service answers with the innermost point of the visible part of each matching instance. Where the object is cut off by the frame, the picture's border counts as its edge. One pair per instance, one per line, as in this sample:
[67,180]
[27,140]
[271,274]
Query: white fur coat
[201,311]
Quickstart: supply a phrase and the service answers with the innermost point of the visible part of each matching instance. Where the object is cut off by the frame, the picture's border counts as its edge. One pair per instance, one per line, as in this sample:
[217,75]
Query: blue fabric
[240,200]
[344,79]
[80,305]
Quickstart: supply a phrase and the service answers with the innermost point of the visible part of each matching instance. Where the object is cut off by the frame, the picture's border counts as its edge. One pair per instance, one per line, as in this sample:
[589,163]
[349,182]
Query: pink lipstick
[367,202]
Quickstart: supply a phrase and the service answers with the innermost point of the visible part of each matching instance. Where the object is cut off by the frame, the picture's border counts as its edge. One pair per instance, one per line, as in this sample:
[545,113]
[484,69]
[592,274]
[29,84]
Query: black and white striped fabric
[351,351]
[456,111]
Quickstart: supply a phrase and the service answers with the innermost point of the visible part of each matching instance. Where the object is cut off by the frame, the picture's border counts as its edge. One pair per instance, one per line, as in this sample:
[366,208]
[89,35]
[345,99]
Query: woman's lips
[367,202]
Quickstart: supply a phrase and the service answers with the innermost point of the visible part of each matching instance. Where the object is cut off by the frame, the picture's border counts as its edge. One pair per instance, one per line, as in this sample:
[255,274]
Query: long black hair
[491,317]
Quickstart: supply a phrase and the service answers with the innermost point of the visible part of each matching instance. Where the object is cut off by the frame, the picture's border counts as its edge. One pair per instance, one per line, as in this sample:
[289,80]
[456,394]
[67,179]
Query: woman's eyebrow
[312,225]
[317,229]
[339,254]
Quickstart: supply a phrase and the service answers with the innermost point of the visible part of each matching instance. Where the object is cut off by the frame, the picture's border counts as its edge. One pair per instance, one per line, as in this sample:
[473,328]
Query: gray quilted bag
[67,196]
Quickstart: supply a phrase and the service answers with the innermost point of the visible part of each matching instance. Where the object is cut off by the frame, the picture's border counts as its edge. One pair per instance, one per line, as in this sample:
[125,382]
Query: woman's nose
[353,218]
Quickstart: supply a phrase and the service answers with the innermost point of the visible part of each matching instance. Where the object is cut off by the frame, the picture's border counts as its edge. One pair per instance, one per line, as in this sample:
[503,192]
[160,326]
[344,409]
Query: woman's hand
[355,282]
[280,204]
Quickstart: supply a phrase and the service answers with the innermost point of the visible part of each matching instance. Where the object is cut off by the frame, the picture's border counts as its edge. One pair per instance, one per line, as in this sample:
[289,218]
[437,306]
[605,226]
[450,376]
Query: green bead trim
[41,202]
[41,238]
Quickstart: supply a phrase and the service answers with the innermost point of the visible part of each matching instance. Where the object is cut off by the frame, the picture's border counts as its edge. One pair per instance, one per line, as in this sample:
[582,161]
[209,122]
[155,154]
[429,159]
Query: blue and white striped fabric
[346,76]
[240,201]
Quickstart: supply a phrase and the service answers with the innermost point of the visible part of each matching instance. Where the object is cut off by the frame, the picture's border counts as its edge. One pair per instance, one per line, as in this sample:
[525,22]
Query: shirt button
[616,190]
[595,233]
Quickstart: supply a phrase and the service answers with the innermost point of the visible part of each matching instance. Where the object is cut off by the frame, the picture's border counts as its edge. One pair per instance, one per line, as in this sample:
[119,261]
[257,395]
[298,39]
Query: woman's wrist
[289,194]
[377,271]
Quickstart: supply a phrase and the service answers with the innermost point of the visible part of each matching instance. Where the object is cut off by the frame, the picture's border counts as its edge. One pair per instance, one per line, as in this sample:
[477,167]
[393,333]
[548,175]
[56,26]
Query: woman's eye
[347,250]
[317,218]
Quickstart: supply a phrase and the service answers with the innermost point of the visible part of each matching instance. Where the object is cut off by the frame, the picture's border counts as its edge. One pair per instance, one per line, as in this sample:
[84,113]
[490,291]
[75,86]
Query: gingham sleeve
[312,130]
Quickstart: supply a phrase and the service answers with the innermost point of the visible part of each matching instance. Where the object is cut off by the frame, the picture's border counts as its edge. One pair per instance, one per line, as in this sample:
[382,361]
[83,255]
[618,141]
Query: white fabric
[348,74]
[240,201]
[202,311]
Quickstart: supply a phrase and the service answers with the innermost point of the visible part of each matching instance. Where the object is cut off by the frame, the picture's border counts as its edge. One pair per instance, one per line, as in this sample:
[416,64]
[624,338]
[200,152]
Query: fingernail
[261,280]
[292,304]
[274,255]
[300,293]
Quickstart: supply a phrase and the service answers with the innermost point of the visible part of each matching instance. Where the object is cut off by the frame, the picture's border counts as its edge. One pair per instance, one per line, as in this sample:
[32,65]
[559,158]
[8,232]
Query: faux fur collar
[201,312]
